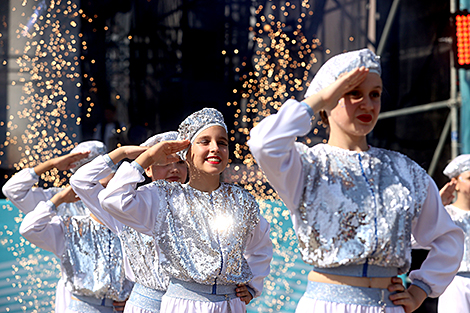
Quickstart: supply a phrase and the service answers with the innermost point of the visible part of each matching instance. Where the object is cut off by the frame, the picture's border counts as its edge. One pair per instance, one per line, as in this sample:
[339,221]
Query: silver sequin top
[358,207]
[462,219]
[142,253]
[203,235]
[93,261]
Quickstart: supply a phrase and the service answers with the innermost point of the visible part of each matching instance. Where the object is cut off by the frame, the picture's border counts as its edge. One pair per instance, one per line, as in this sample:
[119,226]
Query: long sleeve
[272,143]
[19,190]
[259,253]
[134,208]
[44,229]
[436,230]
[86,184]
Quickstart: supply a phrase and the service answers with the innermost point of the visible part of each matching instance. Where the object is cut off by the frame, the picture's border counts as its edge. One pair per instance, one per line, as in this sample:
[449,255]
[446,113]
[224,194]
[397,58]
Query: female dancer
[91,256]
[20,191]
[353,206]
[150,281]
[216,246]
[455,297]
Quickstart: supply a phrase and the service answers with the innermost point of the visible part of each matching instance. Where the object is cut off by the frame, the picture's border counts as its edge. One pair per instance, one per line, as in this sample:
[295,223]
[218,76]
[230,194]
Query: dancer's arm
[43,227]
[410,298]
[138,208]
[93,177]
[62,163]
[272,140]
[447,192]
[328,97]
[259,253]
[436,230]
[19,188]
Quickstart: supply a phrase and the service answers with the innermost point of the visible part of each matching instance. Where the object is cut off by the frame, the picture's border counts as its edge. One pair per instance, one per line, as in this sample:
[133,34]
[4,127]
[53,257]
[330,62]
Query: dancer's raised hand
[328,97]
[162,153]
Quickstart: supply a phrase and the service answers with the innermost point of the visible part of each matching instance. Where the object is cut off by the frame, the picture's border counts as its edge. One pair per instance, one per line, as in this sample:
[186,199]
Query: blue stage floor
[28,275]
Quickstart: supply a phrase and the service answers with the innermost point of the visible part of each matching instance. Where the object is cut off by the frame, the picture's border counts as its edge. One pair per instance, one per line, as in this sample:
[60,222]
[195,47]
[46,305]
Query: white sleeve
[435,229]
[259,253]
[44,229]
[86,184]
[19,190]
[135,208]
[272,144]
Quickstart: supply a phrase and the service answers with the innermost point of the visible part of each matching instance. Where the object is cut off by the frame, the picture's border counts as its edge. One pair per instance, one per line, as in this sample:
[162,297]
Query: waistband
[146,298]
[361,270]
[86,304]
[198,292]
[464,274]
[94,301]
[348,294]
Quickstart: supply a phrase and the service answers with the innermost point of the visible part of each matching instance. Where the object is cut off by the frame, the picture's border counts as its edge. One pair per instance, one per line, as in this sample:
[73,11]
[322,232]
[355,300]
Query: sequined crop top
[93,261]
[203,235]
[358,207]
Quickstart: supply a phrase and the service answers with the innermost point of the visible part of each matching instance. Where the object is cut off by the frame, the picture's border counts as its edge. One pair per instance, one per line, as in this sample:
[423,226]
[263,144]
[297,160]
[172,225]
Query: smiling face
[173,172]
[208,154]
[357,111]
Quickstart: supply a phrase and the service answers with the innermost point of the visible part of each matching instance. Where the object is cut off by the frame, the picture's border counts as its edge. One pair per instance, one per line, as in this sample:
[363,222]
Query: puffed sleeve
[435,229]
[19,190]
[259,253]
[135,208]
[44,228]
[272,144]
[86,184]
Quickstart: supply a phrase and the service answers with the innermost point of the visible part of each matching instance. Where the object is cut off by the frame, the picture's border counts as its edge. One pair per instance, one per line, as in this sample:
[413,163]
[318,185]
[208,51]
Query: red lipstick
[366,118]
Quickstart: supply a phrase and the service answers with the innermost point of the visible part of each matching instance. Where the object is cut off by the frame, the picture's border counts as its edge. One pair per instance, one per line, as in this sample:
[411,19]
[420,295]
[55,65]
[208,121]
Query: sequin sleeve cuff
[138,167]
[51,204]
[421,284]
[33,173]
[309,109]
[110,162]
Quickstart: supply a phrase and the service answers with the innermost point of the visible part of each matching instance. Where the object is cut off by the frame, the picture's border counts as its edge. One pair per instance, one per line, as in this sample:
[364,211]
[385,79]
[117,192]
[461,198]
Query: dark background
[173,64]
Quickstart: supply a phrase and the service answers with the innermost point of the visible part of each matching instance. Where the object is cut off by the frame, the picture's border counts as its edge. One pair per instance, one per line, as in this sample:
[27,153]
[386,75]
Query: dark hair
[324,117]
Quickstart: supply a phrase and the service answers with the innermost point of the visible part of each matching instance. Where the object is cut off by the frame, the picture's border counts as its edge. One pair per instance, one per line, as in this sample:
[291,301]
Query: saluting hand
[447,192]
[328,97]
[162,153]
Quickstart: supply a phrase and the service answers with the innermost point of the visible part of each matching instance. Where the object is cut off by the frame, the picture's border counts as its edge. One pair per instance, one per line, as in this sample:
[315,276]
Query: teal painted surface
[28,275]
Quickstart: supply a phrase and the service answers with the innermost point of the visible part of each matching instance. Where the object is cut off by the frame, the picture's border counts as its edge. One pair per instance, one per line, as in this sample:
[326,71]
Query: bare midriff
[368,282]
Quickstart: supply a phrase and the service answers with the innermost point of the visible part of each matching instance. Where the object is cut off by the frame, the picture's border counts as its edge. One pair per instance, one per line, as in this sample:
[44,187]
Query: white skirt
[177,305]
[331,298]
[62,296]
[190,297]
[456,298]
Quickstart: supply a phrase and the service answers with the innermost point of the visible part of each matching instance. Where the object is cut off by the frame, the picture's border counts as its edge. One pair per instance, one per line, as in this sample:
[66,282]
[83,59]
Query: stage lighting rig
[461,38]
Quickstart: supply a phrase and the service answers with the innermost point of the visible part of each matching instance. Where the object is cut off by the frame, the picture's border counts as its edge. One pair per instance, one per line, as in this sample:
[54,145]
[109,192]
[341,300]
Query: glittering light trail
[280,69]
[37,12]
[43,124]
[46,121]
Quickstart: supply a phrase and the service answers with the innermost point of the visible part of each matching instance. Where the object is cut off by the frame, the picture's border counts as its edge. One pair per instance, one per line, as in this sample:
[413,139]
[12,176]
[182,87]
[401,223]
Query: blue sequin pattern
[358,207]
